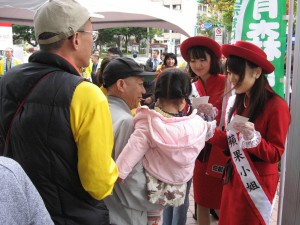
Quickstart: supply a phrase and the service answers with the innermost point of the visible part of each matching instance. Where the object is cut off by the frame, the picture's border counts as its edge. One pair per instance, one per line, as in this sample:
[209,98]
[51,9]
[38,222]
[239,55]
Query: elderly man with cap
[123,78]
[50,114]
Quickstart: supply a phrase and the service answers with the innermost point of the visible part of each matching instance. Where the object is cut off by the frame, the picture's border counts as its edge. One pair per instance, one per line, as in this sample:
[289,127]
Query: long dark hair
[260,92]
[198,52]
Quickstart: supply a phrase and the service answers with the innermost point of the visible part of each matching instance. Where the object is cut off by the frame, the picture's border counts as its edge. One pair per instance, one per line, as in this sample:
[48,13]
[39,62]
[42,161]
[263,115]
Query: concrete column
[291,200]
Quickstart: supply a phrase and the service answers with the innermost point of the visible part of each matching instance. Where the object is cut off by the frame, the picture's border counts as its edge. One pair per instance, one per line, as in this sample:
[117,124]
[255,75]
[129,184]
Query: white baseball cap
[63,17]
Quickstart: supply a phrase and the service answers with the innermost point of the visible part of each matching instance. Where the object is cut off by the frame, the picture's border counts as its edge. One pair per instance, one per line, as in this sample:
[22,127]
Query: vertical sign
[6,39]
[202,26]
[261,22]
[219,35]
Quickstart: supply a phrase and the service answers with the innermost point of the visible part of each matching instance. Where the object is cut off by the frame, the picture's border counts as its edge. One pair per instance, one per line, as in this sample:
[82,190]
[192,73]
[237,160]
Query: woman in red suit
[256,146]
[203,57]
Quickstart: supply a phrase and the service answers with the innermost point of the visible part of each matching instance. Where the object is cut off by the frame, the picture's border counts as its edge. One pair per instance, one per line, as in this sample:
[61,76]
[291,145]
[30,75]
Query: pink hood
[174,143]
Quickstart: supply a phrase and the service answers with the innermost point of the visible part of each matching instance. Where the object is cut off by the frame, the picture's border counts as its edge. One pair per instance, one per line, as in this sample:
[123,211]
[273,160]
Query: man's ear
[75,41]
[120,85]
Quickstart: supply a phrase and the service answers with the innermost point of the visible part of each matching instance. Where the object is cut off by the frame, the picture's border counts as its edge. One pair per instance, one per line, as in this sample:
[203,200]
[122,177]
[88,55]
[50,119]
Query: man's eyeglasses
[93,33]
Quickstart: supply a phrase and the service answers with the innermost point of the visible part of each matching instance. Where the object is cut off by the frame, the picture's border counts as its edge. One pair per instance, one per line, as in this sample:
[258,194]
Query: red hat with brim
[250,52]
[199,41]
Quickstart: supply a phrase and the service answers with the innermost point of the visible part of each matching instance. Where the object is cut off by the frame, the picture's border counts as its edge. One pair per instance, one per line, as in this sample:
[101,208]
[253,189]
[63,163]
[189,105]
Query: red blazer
[272,123]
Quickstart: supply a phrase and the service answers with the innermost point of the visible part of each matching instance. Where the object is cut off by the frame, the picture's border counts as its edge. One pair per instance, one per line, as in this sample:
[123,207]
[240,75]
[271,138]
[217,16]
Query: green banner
[262,23]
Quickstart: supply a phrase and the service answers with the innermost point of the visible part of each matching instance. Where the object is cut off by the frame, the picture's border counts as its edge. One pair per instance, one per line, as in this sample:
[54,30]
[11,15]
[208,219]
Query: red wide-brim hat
[200,41]
[250,52]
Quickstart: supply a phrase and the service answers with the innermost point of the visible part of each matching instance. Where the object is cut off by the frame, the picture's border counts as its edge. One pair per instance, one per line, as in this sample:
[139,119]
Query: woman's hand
[249,136]
[206,108]
[207,111]
[246,129]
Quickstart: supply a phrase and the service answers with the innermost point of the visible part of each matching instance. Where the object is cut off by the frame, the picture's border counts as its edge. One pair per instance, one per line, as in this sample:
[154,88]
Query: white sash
[255,194]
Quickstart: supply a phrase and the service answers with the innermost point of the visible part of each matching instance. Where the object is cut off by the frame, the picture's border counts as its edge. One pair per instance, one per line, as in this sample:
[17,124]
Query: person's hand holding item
[250,138]
[148,100]
[208,110]
[246,129]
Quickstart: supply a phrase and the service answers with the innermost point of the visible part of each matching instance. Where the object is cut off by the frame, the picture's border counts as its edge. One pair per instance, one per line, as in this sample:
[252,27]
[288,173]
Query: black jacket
[41,138]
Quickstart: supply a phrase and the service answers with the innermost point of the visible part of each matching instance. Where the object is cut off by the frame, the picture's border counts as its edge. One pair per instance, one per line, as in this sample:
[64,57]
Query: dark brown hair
[173,83]
[198,52]
[168,56]
[260,92]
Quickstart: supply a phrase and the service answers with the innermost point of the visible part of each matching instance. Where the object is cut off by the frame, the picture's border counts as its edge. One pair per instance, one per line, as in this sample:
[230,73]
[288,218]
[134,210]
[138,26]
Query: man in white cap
[56,124]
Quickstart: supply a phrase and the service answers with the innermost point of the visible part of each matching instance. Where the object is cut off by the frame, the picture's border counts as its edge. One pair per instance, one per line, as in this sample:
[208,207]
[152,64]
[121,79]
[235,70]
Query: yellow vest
[3,61]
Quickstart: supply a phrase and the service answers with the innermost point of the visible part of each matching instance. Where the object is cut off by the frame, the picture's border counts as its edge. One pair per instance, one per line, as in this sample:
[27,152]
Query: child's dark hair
[173,84]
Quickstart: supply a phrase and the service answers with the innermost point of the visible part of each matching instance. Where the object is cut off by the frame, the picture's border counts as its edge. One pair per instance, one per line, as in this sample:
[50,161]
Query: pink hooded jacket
[167,146]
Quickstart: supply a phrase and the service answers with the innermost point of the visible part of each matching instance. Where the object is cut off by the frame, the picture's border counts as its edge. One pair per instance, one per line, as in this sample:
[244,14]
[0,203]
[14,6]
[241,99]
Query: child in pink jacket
[166,139]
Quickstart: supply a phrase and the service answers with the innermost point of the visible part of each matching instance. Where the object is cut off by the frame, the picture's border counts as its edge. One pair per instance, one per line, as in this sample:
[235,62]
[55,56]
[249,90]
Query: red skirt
[207,189]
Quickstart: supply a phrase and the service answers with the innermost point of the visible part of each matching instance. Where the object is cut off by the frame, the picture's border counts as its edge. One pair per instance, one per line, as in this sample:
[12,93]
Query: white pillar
[170,46]
[148,43]
[291,201]
[290,19]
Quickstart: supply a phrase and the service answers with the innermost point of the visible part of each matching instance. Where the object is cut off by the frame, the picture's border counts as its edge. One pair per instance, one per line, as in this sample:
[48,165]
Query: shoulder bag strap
[17,111]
